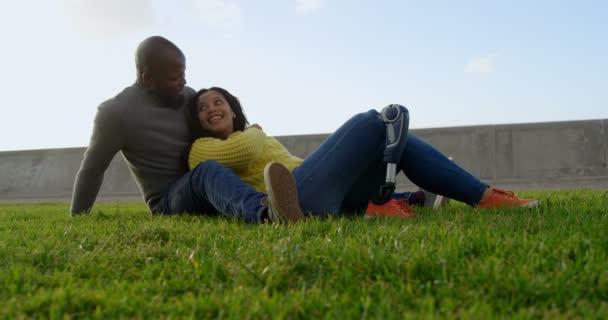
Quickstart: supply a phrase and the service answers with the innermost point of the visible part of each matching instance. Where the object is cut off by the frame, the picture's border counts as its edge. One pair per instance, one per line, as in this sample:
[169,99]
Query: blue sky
[305,66]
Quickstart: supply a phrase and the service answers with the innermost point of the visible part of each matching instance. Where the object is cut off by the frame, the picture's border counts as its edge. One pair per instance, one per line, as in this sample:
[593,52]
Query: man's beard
[172,102]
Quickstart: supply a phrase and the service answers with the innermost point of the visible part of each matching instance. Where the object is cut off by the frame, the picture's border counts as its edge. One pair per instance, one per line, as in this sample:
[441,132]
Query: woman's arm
[236,152]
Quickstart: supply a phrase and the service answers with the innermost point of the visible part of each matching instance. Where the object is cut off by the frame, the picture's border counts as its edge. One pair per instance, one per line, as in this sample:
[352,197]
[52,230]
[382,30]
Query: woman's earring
[233,115]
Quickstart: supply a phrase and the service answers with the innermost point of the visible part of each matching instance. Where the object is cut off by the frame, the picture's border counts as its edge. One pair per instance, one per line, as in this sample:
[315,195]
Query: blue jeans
[347,170]
[211,188]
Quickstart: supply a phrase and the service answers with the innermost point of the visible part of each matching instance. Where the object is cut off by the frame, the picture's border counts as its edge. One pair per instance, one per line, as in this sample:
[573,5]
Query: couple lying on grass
[236,170]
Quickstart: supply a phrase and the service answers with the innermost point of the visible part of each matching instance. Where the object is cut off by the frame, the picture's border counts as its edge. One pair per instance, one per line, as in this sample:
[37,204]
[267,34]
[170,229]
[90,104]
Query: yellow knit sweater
[245,152]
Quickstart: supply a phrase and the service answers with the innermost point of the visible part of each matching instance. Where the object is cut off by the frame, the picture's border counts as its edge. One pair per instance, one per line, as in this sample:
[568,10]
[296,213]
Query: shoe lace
[504,193]
[403,204]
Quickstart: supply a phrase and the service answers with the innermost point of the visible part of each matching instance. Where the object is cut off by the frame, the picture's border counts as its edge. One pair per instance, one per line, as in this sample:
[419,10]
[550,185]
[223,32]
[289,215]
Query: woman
[344,173]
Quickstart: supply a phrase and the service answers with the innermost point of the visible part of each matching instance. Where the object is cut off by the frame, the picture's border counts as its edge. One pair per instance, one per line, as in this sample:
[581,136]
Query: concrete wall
[48,175]
[557,155]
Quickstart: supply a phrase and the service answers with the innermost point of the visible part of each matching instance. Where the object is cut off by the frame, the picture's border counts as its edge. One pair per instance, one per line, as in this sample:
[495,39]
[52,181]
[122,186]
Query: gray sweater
[152,138]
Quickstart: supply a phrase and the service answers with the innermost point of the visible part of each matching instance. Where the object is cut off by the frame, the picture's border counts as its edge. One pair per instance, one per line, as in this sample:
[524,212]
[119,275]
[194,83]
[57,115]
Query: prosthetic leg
[397,121]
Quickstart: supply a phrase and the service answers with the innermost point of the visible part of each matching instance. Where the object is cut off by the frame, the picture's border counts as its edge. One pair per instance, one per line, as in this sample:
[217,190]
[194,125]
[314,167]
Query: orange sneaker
[395,208]
[501,198]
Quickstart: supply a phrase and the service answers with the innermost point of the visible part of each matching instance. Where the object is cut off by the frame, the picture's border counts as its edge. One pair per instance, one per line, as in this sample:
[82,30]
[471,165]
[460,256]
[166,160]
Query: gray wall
[557,155]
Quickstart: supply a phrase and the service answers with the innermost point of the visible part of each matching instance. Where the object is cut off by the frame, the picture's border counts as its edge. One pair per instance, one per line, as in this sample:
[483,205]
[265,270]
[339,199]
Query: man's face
[168,78]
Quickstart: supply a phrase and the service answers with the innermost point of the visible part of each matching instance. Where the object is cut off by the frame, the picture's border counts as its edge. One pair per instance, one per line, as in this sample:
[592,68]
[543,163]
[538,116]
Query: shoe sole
[377,216]
[282,194]
[433,200]
[531,204]
[440,201]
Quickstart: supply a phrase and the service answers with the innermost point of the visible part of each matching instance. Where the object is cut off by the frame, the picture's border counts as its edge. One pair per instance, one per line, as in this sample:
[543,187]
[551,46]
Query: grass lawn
[550,262]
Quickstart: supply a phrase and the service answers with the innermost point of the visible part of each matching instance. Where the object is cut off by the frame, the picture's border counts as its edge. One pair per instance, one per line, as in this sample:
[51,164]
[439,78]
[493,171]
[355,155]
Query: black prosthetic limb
[397,121]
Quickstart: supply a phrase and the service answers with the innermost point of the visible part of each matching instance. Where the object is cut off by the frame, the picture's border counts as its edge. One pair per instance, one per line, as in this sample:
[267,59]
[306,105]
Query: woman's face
[215,114]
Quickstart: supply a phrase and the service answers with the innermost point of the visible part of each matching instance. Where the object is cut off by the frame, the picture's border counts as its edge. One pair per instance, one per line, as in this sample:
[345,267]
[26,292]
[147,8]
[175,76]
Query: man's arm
[105,143]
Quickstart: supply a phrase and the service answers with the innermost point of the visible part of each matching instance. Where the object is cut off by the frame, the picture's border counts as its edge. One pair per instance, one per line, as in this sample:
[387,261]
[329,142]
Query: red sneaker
[395,208]
[501,198]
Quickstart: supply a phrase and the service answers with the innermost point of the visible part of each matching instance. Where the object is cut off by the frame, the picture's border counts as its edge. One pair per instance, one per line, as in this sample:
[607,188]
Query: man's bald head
[154,52]
[160,66]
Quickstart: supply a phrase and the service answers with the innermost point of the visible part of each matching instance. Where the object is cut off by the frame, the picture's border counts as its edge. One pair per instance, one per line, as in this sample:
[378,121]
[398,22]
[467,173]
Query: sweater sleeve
[236,152]
[104,144]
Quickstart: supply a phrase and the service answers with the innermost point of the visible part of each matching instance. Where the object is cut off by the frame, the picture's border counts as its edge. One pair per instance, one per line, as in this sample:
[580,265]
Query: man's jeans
[347,170]
[211,188]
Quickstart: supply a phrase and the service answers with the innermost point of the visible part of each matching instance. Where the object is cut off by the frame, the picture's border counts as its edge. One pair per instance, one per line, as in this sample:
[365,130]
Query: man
[147,123]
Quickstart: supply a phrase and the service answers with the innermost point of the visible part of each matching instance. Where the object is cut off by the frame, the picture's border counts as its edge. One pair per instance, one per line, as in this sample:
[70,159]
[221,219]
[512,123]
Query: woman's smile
[215,114]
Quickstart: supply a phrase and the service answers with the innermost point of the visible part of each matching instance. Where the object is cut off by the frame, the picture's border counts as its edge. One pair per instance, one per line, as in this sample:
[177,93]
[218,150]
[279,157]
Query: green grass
[550,262]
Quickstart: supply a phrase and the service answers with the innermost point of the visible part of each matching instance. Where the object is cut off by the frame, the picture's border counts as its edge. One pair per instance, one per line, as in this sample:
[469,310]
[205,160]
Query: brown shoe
[283,205]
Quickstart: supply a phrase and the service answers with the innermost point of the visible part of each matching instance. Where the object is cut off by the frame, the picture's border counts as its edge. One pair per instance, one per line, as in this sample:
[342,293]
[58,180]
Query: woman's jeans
[211,188]
[347,170]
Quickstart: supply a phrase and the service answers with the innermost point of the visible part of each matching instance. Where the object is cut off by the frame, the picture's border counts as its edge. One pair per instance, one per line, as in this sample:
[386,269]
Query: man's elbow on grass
[81,203]
[75,211]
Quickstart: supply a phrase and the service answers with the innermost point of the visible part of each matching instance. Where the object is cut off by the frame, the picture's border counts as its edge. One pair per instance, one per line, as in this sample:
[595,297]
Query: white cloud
[308,6]
[106,18]
[218,13]
[482,64]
